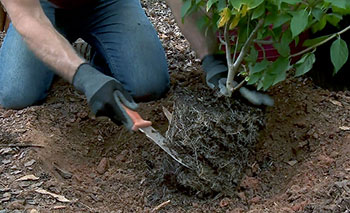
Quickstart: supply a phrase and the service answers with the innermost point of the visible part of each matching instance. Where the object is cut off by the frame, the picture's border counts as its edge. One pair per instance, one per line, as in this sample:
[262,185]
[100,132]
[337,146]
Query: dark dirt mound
[215,137]
[337,196]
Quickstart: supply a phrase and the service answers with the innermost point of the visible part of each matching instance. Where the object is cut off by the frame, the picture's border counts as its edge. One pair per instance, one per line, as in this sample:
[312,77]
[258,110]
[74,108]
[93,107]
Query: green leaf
[305,64]
[299,22]
[257,71]
[341,11]
[276,20]
[254,3]
[276,73]
[283,46]
[276,33]
[243,34]
[221,5]
[320,24]
[237,4]
[268,81]
[259,67]
[254,78]
[260,85]
[280,69]
[293,2]
[334,19]
[338,3]
[317,13]
[277,3]
[339,54]
[314,41]
[185,8]
[258,12]
[203,23]
[296,40]
[253,56]
[210,4]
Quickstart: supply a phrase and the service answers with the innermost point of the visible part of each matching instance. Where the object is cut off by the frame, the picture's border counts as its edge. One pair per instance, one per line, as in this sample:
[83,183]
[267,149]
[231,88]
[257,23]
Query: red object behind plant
[270,51]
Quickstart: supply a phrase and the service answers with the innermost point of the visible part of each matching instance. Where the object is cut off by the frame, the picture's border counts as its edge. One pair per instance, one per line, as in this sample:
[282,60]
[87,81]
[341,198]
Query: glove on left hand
[104,94]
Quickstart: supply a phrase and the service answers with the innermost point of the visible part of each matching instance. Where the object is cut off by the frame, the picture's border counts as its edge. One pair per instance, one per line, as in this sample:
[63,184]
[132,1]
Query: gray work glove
[216,72]
[104,94]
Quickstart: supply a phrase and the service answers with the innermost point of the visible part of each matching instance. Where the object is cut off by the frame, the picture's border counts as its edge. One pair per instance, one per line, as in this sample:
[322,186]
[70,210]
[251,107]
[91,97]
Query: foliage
[242,25]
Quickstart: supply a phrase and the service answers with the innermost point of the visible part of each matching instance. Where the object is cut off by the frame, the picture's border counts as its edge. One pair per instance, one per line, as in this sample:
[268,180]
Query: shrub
[246,26]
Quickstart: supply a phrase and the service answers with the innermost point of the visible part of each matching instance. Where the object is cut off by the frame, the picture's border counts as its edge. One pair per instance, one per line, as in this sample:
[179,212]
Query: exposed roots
[215,137]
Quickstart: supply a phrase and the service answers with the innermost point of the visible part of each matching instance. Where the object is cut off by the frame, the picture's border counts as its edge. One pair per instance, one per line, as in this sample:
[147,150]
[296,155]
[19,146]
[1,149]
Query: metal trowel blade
[156,137]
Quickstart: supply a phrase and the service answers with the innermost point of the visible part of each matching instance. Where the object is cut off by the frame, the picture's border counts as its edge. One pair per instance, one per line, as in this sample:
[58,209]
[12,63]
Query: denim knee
[150,90]
[11,99]
[24,79]
[24,93]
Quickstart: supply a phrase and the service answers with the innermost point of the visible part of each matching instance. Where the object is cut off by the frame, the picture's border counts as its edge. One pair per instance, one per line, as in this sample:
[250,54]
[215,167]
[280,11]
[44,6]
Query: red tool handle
[138,121]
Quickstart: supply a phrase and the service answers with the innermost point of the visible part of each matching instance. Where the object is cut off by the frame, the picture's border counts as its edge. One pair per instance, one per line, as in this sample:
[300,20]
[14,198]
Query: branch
[263,50]
[228,49]
[264,42]
[221,40]
[161,206]
[232,73]
[239,86]
[319,44]
[236,47]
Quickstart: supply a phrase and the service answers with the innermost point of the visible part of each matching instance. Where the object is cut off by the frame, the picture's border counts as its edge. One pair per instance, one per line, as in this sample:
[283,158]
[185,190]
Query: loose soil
[299,161]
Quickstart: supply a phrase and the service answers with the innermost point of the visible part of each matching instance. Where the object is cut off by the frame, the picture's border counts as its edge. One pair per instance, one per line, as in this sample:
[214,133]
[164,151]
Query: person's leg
[24,79]
[126,41]
[202,43]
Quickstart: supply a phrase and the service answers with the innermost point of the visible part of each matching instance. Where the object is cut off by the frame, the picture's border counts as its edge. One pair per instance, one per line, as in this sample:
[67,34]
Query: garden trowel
[146,128]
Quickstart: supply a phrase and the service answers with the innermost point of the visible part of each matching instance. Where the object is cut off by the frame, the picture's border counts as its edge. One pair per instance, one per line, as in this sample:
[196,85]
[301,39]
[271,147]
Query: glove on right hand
[104,94]
[216,72]
[215,69]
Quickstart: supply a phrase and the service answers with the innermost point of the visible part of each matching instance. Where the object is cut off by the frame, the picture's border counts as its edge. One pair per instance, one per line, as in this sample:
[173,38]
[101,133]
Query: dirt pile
[338,199]
[215,137]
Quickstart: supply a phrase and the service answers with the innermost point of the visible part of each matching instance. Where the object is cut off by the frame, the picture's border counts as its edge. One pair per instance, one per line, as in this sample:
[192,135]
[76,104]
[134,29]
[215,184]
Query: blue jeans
[125,46]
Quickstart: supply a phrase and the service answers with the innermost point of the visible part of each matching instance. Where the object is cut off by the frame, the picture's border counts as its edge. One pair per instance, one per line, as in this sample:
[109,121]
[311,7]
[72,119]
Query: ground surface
[301,161]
